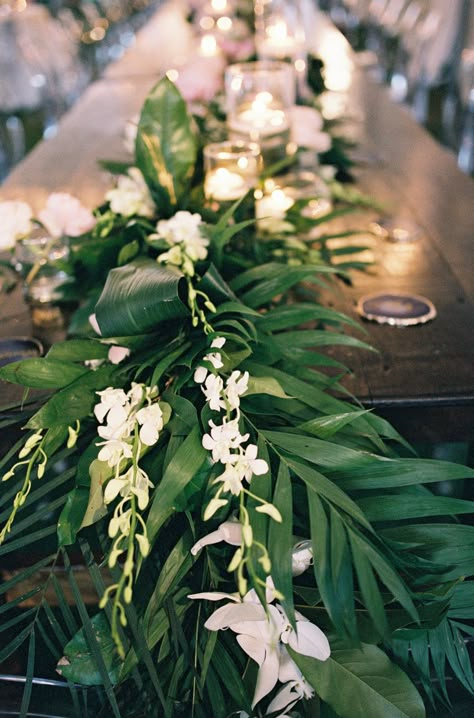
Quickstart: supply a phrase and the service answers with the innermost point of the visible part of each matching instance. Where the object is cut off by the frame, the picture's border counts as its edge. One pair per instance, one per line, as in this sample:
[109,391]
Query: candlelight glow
[208,46]
[219,5]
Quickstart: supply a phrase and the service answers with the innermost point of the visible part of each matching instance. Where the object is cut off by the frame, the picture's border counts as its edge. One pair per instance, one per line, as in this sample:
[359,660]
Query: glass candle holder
[259,96]
[231,170]
[279,30]
[40,260]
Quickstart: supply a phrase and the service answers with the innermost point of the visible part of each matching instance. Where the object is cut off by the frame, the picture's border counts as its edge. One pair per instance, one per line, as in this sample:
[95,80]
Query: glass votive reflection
[231,170]
[259,96]
[40,260]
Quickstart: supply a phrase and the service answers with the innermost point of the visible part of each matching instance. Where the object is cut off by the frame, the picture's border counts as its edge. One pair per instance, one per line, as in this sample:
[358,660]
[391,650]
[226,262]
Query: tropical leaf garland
[386,582]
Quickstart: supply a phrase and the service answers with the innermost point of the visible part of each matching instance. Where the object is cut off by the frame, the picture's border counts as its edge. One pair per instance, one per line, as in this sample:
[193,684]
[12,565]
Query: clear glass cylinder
[259,96]
[279,30]
[231,170]
[41,260]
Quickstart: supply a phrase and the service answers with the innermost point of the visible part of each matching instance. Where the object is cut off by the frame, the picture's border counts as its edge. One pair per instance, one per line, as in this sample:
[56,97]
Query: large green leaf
[389,473]
[42,373]
[291,315]
[183,466]
[137,297]
[78,350]
[362,683]
[280,540]
[444,545]
[78,663]
[166,146]
[396,507]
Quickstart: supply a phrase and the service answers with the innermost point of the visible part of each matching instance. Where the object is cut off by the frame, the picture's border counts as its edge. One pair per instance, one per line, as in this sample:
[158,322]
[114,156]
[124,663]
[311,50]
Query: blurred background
[50,50]
[423,50]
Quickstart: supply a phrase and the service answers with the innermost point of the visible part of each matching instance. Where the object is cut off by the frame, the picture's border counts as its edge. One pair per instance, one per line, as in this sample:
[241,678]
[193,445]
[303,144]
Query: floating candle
[223,185]
[208,46]
[274,205]
[260,118]
[278,42]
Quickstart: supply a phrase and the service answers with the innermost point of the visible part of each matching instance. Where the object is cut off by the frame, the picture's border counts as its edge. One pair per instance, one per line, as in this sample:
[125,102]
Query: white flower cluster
[224,441]
[131,196]
[187,245]
[129,421]
[264,634]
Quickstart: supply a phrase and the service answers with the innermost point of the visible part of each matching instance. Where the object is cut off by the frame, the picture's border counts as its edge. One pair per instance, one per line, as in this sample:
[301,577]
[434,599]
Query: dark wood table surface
[421,377]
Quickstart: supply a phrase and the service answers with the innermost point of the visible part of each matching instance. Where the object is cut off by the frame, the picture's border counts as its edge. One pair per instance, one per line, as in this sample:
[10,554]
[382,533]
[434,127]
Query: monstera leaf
[137,297]
[362,683]
[166,147]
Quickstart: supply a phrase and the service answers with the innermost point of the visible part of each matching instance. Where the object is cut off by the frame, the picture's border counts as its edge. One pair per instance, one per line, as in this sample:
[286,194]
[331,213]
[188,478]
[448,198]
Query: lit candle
[223,185]
[278,42]
[219,5]
[208,47]
[260,119]
[274,205]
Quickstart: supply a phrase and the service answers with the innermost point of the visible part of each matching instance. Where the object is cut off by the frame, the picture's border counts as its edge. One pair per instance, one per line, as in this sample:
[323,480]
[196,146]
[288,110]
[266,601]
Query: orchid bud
[247,535]
[235,561]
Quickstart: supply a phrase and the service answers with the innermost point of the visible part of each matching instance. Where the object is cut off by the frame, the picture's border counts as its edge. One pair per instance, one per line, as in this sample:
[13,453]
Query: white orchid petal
[213,537]
[253,647]
[232,532]
[259,467]
[285,699]
[230,615]
[289,671]
[200,374]
[267,676]
[148,434]
[218,343]
[309,641]
[113,489]
[215,596]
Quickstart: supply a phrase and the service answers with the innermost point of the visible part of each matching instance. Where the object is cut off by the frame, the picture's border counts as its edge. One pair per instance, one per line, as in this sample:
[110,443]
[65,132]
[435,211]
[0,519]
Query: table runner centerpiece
[197,450]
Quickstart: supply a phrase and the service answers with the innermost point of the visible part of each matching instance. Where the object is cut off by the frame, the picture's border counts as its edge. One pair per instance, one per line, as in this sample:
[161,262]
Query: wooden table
[421,377]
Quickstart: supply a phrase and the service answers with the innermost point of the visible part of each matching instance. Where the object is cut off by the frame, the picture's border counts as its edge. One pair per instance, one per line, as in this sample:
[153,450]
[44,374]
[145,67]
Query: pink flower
[65,215]
[201,78]
[306,129]
[237,50]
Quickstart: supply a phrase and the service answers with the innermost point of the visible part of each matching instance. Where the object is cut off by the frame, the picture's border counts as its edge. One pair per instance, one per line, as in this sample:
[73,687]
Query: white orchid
[212,389]
[139,485]
[229,531]
[213,357]
[263,635]
[118,427]
[111,400]
[114,451]
[294,689]
[150,419]
[302,557]
[242,466]
[187,245]
[183,227]
[131,196]
[223,439]
[116,486]
[236,385]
